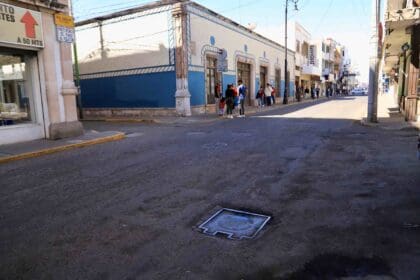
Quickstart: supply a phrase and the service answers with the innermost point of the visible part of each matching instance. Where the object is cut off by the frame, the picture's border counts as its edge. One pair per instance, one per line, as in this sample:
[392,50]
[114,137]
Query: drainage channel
[234,224]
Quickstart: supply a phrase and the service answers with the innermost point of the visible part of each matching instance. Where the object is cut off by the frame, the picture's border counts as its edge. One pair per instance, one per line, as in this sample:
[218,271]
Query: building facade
[401,55]
[307,58]
[37,93]
[328,48]
[175,64]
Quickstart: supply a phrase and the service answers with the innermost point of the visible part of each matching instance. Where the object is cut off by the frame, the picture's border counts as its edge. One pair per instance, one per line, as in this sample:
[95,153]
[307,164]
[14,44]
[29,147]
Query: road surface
[344,201]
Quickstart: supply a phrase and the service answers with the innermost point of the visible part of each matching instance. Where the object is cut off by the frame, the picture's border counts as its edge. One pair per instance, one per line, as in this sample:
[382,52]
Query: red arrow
[30,23]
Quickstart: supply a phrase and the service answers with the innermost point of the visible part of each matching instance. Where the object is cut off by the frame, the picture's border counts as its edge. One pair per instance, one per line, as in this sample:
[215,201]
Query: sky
[346,21]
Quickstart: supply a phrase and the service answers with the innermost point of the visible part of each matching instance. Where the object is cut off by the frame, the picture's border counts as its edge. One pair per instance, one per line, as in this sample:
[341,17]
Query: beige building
[308,70]
[37,92]
[401,57]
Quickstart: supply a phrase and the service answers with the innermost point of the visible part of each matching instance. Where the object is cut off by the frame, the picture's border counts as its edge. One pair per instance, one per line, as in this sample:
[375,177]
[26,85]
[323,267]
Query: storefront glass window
[16,101]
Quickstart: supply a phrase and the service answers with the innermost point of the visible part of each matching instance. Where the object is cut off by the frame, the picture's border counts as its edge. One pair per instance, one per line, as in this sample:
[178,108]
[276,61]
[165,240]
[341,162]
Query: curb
[402,125]
[177,118]
[115,137]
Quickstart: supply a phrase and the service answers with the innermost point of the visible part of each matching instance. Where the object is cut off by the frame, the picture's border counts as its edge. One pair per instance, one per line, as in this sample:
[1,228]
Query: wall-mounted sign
[64,20]
[64,27]
[20,26]
[64,34]
[222,63]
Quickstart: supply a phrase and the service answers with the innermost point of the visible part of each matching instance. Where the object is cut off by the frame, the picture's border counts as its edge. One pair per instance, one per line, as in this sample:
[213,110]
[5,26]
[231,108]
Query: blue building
[166,58]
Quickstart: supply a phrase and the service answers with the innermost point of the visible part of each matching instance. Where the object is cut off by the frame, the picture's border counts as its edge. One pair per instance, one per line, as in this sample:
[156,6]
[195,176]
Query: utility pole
[374,63]
[286,82]
[76,67]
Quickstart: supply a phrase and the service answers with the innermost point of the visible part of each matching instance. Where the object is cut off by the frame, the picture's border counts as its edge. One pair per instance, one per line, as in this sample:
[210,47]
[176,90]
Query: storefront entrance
[263,76]
[212,79]
[20,105]
[16,93]
[244,74]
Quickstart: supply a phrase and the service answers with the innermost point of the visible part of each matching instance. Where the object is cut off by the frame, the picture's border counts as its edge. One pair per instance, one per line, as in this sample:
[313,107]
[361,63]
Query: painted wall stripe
[128,72]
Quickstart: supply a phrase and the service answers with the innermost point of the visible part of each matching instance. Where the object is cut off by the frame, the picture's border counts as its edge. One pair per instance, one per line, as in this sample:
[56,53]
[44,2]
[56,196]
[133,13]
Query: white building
[167,58]
[307,57]
[37,93]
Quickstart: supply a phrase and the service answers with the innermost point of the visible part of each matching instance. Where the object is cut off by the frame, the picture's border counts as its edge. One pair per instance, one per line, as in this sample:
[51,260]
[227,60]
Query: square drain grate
[235,224]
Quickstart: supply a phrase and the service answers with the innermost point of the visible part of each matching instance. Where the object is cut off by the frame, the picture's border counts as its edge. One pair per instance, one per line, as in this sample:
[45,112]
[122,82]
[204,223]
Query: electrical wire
[249,3]
[324,15]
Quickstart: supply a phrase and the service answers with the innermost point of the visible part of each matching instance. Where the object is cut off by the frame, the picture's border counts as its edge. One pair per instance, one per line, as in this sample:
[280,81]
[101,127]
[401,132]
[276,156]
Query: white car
[358,91]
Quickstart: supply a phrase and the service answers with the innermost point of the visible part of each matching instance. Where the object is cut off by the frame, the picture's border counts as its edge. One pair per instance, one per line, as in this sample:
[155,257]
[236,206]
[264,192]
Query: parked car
[358,91]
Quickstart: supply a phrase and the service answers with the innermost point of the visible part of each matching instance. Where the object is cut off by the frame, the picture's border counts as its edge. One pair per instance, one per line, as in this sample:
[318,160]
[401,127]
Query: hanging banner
[20,26]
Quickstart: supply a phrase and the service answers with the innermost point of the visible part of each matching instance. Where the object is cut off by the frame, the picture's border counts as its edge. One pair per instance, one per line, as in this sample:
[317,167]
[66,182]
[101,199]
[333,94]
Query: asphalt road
[344,201]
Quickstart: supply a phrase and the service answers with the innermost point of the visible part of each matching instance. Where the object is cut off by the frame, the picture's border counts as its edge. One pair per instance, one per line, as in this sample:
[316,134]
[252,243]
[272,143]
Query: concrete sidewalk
[389,116]
[42,147]
[207,117]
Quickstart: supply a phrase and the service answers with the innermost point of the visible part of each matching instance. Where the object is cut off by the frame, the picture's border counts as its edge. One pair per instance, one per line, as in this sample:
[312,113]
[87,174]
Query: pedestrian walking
[260,97]
[229,95]
[235,100]
[242,94]
[222,104]
[299,93]
[306,92]
[273,95]
[217,94]
[317,92]
[267,92]
[313,92]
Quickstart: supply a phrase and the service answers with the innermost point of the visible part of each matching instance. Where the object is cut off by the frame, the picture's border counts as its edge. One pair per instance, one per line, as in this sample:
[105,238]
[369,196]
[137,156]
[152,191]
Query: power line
[247,4]
[323,17]
[170,29]
[107,11]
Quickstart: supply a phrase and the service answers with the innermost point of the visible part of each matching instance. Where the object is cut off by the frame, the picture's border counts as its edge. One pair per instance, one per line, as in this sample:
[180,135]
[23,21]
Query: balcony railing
[402,11]
[305,61]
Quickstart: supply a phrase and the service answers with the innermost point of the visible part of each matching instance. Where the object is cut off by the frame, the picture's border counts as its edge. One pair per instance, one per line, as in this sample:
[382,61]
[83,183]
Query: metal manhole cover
[235,224]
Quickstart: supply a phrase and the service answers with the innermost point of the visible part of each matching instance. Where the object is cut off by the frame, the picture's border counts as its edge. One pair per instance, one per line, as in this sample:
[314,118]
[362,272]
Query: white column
[182,94]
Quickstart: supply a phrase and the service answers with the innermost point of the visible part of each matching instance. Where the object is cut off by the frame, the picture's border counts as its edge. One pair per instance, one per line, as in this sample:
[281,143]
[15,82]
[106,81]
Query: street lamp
[286,96]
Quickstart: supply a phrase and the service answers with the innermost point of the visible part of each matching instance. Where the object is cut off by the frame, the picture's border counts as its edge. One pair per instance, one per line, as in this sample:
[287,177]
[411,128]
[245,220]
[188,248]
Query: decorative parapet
[407,14]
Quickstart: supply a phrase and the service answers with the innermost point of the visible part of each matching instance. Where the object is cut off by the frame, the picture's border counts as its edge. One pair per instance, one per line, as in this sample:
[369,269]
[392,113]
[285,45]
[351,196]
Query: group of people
[315,92]
[266,95]
[233,100]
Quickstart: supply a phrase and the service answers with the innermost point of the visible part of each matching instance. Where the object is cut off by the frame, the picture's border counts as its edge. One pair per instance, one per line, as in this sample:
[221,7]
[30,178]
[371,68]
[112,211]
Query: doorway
[16,89]
[212,79]
[277,78]
[263,76]
[244,74]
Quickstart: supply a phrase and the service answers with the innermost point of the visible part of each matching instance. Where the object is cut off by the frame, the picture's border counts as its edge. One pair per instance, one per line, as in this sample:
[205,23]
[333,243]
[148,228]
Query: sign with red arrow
[30,23]
[19,26]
